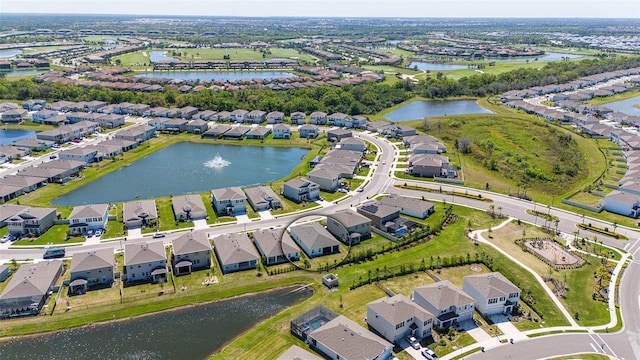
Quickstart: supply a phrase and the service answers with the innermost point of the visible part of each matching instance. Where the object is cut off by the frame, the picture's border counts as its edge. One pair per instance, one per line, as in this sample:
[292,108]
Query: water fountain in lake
[217,162]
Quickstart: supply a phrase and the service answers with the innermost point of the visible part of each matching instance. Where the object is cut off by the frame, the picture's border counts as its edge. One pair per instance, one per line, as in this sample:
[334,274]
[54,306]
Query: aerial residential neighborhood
[361,182]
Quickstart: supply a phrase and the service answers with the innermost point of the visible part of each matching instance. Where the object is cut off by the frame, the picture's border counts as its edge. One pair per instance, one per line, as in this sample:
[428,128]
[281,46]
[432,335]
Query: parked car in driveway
[429,354]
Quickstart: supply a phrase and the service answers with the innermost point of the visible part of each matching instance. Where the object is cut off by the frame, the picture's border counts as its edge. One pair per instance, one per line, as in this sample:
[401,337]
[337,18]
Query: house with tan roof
[32,221]
[300,190]
[91,268]
[28,289]
[275,246]
[235,252]
[342,338]
[493,293]
[396,317]
[447,302]
[88,217]
[188,207]
[190,251]
[145,262]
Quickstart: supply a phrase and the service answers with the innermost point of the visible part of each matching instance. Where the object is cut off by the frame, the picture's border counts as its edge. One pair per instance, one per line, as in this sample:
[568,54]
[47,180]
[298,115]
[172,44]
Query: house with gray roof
[298,118]
[337,119]
[32,144]
[91,268]
[327,179]
[309,131]
[281,131]
[258,132]
[27,183]
[138,133]
[190,251]
[379,214]
[314,239]
[110,121]
[28,289]
[217,131]
[349,226]
[236,132]
[14,116]
[300,190]
[188,207]
[275,246]
[50,175]
[145,261]
[352,143]
[625,203]
[238,115]
[235,252]
[338,134]
[275,117]
[229,201]
[263,198]
[197,126]
[256,117]
[447,302]
[493,293]
[297,353]
[318,118]
[342,338]
[10,192]
[409,206]
[88,217]
[396,317]
[32,221]
[139,212]
[85,154]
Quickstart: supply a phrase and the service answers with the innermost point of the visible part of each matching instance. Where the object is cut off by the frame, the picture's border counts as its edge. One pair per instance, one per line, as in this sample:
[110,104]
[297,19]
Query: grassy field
[56,235]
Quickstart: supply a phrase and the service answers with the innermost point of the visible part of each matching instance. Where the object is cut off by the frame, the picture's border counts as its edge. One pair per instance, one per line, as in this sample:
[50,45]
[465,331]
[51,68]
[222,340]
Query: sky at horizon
[337,8]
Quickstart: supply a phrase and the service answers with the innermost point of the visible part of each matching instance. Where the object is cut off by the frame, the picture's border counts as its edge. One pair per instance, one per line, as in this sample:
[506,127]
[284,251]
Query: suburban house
[188,207]
[263,198]
[43,115]
[14,116]
[32,144]
[217,131]
[34,104]
[145,262]
[623,203]
[27,183]
[50,175]
[176,125]
[91,268]
[448,303]
[236,132]
[84,154]
[297,353]
[239,115]
[300,190]
[308,131]
[493,293]
[416,142]
[275,247]
[352,143]
[235,252]
[275,117]
[329,339]
[197,126]
[31,221]
[298,118]
[318,118]
[110,121]
[139,212]
[281,131]
[88,217]
[159,123]
[396,317]
[314,239]
[356,122]
[258,132]
[256,117]
[230,201]
[379,214]
[338,119]
[430,165]
[338,134]
[187,112]
[349,226]
[139,133]
[191,251]
[327,179]
[29,288]
[409,206]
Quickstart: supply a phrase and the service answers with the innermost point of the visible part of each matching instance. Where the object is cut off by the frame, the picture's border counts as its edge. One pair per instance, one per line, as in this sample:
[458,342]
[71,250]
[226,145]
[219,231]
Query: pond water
[419,109]
[184,334]
[5,54]
[155,56]
[21,72]
[434,66]
[625,106]
[217,75]
[8,136]
[188,168]
[548,56]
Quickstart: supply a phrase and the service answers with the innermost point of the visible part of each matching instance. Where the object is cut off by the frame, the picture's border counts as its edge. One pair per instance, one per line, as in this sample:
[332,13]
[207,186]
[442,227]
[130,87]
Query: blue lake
[155,56]
[5,54]
[625,106]
[420,109]
[190,333]
[188,168]
[8,136]
[22,72]
[217,75]
[434,66]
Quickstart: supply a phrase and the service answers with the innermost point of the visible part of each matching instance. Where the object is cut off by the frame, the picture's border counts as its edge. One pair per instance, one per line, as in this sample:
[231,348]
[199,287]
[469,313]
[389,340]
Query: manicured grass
[617,97]
[56,235]
[581,285]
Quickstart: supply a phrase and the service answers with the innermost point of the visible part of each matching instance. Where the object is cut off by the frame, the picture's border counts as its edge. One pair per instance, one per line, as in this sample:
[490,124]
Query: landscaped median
[465,194]
[602,231]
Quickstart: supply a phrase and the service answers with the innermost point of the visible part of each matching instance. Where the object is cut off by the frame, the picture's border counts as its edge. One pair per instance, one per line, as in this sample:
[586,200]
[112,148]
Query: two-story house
[230,201]
[493,293]
[191,251]
[300,190]
[88,217]
[449,304]
[91,268]
[145,262]
[397,317]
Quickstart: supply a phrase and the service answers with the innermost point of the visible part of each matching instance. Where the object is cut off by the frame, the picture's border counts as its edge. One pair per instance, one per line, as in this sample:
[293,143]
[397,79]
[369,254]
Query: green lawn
[56,235]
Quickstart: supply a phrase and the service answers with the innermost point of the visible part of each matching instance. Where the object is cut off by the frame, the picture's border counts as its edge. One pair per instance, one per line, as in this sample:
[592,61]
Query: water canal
[188,333]
[188,168]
